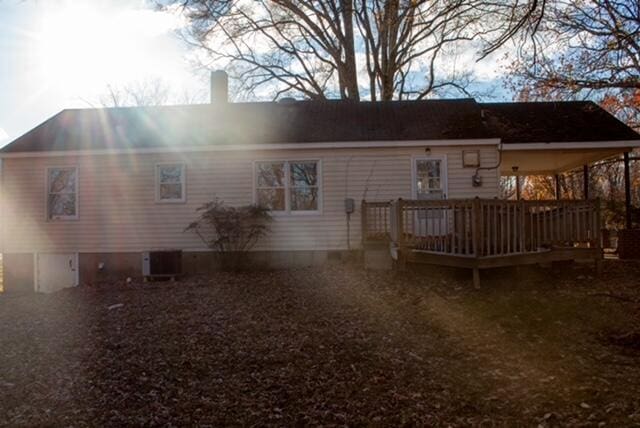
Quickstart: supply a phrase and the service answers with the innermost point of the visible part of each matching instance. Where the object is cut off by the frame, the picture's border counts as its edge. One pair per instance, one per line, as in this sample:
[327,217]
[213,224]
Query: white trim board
[627,144]
[258,147]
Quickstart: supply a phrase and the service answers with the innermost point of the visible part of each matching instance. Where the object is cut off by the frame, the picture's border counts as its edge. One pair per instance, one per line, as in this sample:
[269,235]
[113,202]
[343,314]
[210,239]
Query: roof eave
[621,144]
[253,147]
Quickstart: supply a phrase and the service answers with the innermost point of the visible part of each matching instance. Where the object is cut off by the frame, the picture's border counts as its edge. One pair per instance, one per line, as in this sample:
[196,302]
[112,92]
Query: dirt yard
[334,346]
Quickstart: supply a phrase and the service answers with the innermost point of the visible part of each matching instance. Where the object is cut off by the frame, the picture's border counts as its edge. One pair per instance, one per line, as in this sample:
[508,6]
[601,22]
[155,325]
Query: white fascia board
[257,147]
[625,144]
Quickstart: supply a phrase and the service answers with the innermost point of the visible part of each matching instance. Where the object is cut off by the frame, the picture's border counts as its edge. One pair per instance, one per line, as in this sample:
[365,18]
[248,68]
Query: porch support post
[627,191]
[598,238]
[585,181]
[517,187]
[558,190]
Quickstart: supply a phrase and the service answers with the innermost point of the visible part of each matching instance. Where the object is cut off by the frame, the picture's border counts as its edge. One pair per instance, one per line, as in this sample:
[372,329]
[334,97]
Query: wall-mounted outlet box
[349,205]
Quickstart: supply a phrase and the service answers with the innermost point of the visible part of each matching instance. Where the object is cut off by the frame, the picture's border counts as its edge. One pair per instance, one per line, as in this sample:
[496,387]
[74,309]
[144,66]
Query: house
[88,191]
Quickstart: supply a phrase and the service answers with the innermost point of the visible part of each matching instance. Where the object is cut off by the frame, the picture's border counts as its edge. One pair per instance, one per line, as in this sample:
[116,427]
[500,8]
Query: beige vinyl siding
[118,212]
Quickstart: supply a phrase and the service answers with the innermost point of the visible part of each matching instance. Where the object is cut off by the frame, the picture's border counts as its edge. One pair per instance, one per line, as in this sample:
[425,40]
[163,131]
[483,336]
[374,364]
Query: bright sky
[58,54]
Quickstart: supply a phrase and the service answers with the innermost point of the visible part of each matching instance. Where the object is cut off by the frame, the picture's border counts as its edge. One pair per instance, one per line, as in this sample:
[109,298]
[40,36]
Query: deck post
[476,221]
[399,224]
[476,234]
[558,189]
[518,187]
[522,227]
[402,256]
[476,278]
[363,221]
[627,191]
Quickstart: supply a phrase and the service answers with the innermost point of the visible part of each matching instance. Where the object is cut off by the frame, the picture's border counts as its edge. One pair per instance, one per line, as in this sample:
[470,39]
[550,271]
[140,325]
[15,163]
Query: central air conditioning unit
[162,264]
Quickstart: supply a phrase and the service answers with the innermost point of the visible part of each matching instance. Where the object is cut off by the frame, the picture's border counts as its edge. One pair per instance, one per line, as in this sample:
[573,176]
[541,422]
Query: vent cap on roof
[287,100]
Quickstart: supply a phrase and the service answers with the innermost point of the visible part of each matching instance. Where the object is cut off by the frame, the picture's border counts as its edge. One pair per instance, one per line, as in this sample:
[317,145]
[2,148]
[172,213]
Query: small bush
[232,231]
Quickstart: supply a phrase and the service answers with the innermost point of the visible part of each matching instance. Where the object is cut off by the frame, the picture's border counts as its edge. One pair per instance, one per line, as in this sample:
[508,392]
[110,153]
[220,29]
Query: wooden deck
[485,233]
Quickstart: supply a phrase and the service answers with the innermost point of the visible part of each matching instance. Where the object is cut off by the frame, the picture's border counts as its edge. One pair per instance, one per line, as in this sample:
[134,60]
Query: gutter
[622,144]
[259,147]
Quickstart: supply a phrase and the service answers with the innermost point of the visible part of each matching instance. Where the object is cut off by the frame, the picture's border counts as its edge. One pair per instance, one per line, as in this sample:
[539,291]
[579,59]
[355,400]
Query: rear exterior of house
[88,192]
[118,215]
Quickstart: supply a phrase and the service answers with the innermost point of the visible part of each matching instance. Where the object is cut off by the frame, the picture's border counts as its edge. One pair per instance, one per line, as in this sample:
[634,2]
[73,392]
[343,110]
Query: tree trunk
[350,80]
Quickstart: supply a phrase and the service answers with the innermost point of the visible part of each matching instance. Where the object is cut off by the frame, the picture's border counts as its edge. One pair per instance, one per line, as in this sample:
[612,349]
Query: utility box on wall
[162,264]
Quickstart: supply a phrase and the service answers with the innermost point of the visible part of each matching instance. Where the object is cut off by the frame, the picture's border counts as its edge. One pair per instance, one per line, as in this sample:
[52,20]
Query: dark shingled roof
[319,121]
[543,122]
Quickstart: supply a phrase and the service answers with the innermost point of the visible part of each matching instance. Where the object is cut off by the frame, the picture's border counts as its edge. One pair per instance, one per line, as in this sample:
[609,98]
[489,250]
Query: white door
[430,183]
[56,271]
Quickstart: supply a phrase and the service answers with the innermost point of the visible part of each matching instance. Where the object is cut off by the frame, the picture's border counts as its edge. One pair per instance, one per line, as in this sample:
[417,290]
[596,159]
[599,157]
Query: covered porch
[540,159]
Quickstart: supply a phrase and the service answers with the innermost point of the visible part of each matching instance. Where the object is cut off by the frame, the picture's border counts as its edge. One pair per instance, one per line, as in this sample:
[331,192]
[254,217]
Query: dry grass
[328,346]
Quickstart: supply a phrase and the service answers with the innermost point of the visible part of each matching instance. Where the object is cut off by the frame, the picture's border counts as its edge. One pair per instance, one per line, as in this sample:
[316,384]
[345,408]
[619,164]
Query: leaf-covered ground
[330,346]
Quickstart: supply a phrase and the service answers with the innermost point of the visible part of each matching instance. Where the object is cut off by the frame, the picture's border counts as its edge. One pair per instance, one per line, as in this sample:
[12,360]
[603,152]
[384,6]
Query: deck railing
[376,223]
[483,227]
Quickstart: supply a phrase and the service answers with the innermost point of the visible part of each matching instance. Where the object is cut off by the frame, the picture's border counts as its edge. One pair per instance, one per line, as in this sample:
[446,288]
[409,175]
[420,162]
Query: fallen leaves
[333,346]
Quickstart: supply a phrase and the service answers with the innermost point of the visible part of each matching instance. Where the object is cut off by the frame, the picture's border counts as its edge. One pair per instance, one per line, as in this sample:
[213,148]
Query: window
[304,186]
[290,186]
[428,178]
[170,183]
[62,193]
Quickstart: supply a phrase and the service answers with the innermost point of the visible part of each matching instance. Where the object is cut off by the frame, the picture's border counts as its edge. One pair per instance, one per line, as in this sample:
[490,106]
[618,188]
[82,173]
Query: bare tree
[324,48]
[150,92]
[585,49]
[577,49]
[402,38]
[141,93]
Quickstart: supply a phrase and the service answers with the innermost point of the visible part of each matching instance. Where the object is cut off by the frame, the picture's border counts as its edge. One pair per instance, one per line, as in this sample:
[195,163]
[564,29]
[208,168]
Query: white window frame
[183,183]
[287,185]
[47,193]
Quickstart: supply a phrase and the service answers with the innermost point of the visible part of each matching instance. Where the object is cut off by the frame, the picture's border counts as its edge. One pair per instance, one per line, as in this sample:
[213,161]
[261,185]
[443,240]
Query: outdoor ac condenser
[162,263]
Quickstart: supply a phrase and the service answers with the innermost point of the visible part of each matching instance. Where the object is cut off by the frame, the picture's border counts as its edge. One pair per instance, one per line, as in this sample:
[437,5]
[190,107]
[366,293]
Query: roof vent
[287,100]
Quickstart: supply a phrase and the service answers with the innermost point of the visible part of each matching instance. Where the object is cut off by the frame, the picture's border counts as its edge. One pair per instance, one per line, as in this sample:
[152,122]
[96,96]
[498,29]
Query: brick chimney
[219,87]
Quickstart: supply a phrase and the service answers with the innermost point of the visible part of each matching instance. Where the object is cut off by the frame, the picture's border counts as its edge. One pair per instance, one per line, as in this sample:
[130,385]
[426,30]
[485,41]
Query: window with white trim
[62,193]
[170,182]
[288,186]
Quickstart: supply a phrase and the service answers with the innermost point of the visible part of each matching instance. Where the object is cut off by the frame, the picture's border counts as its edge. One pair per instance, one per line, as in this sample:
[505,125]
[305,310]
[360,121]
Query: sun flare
[84,47]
